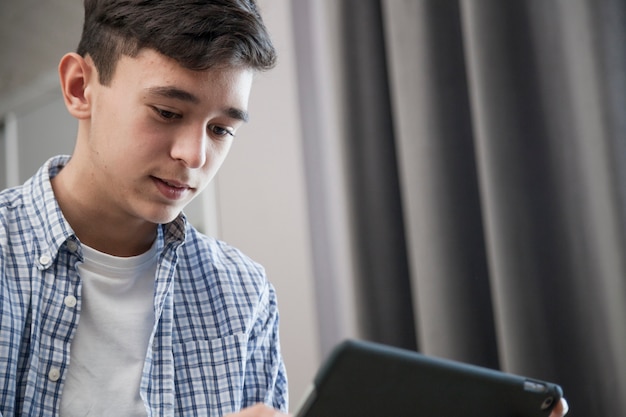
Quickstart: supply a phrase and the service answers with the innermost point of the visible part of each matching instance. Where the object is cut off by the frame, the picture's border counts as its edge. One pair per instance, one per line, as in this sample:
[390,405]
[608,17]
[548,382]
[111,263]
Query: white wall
[35,126]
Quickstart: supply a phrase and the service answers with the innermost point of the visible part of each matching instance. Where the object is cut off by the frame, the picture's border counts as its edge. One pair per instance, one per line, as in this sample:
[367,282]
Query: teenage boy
[111,304]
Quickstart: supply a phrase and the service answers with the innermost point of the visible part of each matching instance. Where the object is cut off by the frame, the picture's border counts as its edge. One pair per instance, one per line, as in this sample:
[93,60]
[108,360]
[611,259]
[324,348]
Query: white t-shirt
[109,347]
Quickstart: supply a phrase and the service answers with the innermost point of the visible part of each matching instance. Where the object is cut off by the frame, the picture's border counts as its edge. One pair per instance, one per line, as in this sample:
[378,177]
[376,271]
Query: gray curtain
[488,162]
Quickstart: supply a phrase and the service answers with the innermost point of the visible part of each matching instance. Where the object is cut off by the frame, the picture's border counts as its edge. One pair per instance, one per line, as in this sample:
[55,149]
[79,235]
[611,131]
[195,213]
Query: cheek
[221,151]
[145,138]
[216,155]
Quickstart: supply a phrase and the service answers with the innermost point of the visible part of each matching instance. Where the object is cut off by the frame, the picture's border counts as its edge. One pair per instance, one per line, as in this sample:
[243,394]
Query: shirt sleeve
[266,378]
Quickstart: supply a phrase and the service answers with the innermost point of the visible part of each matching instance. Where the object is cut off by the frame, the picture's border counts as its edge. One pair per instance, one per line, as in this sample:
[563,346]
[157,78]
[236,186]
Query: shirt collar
[49,225]
[174,232]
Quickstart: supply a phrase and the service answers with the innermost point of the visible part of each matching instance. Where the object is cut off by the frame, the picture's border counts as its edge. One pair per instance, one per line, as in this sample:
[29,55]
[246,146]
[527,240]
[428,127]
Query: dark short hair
[198,34]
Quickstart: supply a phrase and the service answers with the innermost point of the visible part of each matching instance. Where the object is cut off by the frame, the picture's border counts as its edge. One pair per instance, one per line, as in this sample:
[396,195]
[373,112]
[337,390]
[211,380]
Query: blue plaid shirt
[214,347]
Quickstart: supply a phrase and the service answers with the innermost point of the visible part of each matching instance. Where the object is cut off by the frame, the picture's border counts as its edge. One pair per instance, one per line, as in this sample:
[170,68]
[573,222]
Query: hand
[560,409]
[261,410]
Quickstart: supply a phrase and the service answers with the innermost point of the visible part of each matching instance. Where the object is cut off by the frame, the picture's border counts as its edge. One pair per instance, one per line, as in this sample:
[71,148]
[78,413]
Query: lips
[171,189]
[174,184]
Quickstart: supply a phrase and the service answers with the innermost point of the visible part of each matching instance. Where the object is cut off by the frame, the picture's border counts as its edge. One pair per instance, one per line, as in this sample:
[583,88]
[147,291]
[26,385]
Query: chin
[169,219]
[162,217]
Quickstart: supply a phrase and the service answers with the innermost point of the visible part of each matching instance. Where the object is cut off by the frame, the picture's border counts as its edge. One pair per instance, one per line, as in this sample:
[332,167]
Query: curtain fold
[555,245]
[385,307]
[503,210]
[453,309]
[517,181]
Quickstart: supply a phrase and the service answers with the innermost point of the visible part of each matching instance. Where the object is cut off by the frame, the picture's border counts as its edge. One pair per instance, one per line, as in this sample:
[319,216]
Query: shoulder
[220,285]
[30,204]
[219,254]
[12,214]
[10,200]
[220,264]
[15,229]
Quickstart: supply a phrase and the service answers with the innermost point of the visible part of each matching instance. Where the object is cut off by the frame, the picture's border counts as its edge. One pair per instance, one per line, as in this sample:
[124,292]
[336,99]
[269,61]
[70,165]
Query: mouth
[172,189]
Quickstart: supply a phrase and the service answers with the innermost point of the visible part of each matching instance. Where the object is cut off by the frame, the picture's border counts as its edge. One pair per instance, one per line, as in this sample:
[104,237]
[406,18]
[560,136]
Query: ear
[76,75]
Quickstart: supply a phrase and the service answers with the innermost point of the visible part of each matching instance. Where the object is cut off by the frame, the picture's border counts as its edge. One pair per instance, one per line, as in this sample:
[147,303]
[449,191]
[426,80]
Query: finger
[560,409]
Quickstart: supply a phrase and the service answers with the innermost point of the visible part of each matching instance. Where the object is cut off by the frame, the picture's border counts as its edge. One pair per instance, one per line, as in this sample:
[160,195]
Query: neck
[115,243]
[95,226]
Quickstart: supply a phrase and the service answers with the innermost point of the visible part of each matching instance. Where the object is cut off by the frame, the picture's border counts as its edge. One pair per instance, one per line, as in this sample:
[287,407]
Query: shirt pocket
[209,375]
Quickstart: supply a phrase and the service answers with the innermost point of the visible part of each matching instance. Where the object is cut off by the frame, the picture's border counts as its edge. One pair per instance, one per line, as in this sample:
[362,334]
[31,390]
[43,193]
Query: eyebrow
[238,114]
[182,95]
[173,92]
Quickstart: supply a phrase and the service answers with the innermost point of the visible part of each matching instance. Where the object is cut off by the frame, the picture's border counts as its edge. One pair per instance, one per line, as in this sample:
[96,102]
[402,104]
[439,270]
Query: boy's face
[159,133]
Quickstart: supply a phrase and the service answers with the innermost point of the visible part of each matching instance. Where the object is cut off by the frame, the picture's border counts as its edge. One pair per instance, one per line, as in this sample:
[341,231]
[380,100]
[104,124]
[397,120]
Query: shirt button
[70,301]
[54,374]
[44,260]
[72,246]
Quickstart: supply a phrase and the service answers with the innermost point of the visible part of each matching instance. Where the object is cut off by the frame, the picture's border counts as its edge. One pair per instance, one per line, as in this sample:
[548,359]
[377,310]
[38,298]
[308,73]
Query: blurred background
[446,176]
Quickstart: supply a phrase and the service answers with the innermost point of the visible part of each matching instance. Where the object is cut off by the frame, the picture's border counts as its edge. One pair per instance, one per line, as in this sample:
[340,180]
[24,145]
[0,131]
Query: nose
[190,147]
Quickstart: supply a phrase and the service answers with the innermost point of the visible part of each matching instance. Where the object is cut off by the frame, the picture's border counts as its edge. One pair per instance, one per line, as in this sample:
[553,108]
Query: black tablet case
[364,379]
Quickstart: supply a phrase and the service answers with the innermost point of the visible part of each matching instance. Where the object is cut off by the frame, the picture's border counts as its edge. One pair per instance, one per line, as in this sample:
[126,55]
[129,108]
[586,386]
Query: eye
[166,114]
[220,131]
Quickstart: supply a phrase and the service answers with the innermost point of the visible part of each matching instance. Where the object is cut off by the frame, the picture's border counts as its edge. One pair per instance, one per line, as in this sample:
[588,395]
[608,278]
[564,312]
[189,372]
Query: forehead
[154,71]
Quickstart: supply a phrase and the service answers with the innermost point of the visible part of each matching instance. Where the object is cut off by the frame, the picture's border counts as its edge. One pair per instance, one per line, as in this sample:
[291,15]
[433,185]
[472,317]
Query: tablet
[364,379]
